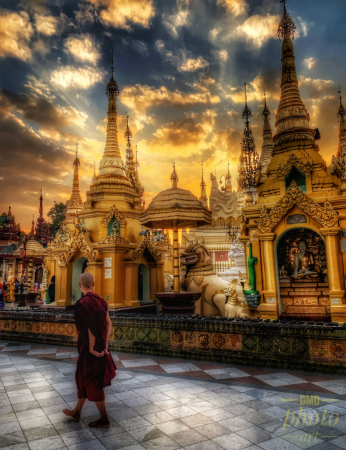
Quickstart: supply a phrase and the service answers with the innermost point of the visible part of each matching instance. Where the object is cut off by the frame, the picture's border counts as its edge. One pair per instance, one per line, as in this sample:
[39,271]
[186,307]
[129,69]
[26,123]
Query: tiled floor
[165,411]
[297,380]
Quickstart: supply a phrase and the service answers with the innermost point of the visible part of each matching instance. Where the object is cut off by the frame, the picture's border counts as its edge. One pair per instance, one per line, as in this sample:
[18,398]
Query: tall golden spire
[249,159]
[228,181]
[75,203]
[111,165]
[268,144]
[292,119]
[342,129]
[174,178]
[130,165]
[203,198]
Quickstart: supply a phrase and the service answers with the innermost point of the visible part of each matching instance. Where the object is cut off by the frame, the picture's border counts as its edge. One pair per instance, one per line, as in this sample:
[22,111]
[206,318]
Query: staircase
[306,300]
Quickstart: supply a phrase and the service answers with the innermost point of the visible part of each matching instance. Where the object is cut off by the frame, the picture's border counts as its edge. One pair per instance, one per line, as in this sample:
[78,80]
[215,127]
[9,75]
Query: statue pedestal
[305,299]
[178,302]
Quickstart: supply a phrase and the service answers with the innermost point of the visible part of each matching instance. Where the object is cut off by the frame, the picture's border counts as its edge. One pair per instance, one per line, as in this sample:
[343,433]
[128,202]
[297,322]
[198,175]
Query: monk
[95,365]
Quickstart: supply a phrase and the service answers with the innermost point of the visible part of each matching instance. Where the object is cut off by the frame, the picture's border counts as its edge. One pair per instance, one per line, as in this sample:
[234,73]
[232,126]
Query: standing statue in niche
[304,263]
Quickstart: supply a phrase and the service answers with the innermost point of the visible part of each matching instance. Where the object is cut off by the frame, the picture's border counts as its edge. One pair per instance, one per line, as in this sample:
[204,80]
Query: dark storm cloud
[35,109]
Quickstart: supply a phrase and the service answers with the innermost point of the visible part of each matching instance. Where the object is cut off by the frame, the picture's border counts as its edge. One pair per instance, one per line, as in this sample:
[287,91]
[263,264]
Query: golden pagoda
[203,197]
[75,203]
[268,144]
[102,236]
[294,225]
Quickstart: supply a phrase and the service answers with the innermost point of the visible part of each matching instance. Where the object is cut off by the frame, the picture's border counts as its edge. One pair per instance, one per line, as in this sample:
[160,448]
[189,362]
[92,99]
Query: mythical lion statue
[201,277]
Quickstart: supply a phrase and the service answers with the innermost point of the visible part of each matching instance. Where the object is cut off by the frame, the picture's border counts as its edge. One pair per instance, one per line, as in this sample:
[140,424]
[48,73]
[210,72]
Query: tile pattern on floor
[153,411]
[303,381]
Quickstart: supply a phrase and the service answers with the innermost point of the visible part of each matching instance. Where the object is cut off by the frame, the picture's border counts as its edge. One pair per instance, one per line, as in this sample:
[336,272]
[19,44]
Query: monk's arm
[109,330]
[92,345]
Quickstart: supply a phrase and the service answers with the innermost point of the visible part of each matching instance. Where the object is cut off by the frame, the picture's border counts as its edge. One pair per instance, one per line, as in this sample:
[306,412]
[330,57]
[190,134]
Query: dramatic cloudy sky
[180,66]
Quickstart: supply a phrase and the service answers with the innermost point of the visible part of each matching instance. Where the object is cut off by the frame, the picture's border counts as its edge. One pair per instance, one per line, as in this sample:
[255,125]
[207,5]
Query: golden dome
[175,205]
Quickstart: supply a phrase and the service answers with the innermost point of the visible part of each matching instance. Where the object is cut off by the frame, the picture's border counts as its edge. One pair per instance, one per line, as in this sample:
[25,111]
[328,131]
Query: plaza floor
[167,404]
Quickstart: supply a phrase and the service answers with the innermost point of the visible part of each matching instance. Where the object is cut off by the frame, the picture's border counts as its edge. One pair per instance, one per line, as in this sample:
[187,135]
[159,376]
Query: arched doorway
[78,268]
[143,283]
[302,275]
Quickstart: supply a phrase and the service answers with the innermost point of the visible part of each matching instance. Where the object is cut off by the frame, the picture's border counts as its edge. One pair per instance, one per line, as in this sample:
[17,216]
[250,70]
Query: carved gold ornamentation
[118,217]
[114,239]
[146,244]
[296,162]
[82,241]
[326,216]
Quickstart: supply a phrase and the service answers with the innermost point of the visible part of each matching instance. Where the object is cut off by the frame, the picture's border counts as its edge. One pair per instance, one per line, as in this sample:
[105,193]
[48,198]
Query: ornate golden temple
[295,224]
[103,235]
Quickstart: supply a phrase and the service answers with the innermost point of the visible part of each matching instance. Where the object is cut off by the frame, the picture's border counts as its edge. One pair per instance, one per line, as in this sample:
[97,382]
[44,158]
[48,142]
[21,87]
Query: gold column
[336,290]
[269,307]
[244,240]
[131,284]
[176,282]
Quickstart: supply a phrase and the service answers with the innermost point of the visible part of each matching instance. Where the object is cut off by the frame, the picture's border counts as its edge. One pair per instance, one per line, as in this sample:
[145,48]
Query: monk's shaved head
[86,280]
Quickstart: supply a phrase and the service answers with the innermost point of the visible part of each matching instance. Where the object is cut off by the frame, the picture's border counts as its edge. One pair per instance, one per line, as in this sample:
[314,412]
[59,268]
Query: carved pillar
[153,280]
[336,291]
[64,281]
[176,281]
[269,308]
[244,240]
[123,229]
[131,283]
[160,278]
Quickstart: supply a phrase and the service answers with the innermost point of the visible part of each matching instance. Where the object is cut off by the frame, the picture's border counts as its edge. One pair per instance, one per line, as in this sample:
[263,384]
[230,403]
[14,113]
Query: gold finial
[202,171]
[247,111]
[174,178]
[77,150]
[286,24]
[340,96]
[342,111]
[128,134]
[112,66]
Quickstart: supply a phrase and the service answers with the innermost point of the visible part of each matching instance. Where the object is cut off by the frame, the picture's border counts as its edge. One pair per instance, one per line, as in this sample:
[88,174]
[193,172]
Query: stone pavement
[161,411]
[289,379]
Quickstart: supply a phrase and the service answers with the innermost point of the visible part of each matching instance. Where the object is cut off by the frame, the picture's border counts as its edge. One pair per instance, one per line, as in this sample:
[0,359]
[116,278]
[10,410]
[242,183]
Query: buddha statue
[304,263]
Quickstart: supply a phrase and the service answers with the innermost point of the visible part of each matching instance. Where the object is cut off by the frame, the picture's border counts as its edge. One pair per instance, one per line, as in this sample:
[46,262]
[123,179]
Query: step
[304,292]
[299,284]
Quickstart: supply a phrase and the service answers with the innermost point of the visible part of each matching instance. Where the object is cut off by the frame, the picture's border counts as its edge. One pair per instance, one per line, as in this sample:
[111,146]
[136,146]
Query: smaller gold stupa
[176,208]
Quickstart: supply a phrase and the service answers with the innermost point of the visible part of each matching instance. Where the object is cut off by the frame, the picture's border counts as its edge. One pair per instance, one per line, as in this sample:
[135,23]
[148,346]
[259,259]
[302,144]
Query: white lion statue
[201,277]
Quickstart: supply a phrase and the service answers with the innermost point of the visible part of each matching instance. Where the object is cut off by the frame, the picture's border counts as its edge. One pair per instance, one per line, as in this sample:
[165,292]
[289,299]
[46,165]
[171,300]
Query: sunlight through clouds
[259,29]
[46,24]
[71,77]
[83,48]
[234,7]
[123,13]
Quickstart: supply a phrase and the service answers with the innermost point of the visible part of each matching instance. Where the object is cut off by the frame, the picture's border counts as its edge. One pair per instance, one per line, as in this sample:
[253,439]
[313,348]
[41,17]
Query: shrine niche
[303,278]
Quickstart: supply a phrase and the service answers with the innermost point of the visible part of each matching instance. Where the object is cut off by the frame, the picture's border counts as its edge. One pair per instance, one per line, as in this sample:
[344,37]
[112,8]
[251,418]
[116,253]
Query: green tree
[57,215]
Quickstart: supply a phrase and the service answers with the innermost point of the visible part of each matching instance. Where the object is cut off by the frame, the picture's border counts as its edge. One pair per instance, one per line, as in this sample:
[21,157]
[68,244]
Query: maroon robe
[93,373]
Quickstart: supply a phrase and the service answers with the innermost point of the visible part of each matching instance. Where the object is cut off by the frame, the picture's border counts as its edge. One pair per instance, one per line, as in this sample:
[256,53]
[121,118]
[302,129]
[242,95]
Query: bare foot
[75,416]
[99,424]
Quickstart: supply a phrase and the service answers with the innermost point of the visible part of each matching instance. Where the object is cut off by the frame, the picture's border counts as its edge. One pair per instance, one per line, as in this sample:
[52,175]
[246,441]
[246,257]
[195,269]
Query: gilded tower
[293,228]
[75,203]
[203,197]
[268,144]
[115,183]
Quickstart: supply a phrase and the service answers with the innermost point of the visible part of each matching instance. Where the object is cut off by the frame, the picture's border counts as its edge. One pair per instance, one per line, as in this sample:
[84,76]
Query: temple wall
[262,343]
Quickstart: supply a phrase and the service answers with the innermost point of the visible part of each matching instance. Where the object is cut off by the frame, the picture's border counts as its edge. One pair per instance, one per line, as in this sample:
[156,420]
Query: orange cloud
[259,29]
[123,13]
[140,98]
[15,34]
[234,7]
[46,25]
